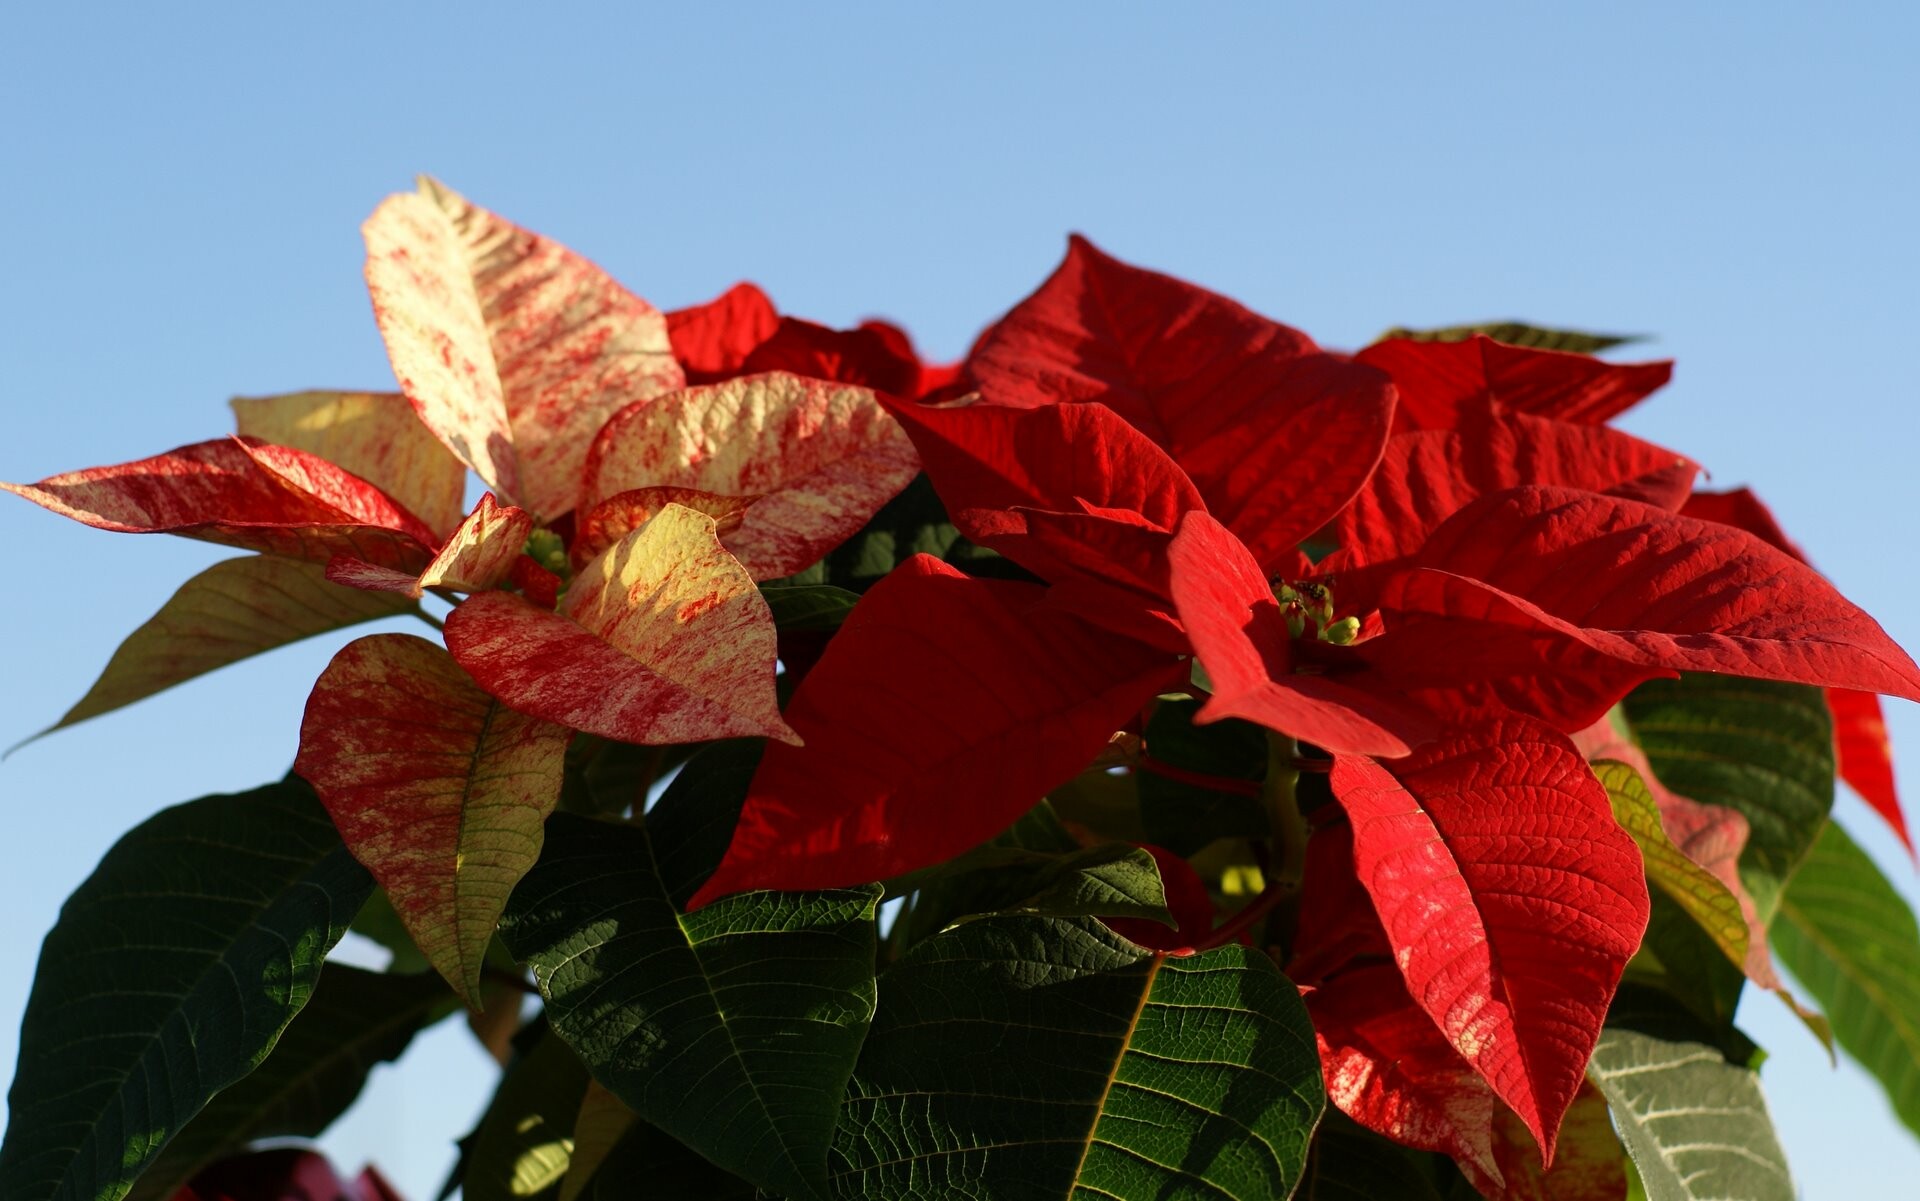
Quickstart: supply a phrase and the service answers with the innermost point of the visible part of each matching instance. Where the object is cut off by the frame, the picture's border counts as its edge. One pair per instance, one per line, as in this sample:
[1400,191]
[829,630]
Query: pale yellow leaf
[438,789]
[375,435]
[822,458]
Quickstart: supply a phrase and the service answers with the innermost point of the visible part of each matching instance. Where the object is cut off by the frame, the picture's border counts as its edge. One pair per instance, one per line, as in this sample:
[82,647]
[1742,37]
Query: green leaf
[1519,333]
[1046,1057]
[524,1142]
[1183,815]
[168,977]
[809,606]
[356,1019]
[692,823]
[1696,1126]
[670,1170]
[733,1029]
[1763,748]
[1352,1163]
[1112,880]
[1705,899]
[1852,940]
[1681,958]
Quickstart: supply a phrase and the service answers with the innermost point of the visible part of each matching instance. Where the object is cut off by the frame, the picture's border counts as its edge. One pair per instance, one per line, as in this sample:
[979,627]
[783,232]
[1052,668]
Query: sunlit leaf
[662,639]
[513,349]
[739,1036]
[1761,748]
[1518,333]
[1850,938]
[1165,1076]
[821,458]
[1693,887]
[439,790]
[524,1143]
[375,435]
[603,1121]
[1696,1125]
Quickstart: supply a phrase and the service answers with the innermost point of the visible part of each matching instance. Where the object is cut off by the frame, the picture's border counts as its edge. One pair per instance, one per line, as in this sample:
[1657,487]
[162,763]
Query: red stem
[1148,763]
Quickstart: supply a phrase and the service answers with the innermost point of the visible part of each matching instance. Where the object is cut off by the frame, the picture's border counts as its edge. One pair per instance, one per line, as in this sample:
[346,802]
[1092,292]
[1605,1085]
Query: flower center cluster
[1306,602]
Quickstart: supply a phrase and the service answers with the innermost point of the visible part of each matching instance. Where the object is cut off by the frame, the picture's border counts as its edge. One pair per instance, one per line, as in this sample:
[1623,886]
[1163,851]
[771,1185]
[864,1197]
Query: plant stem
[1228,784]
[427,617]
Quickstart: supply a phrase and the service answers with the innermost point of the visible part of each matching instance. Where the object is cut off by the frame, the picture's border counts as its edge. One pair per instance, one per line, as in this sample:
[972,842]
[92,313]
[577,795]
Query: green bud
[546,549]
[1341,632]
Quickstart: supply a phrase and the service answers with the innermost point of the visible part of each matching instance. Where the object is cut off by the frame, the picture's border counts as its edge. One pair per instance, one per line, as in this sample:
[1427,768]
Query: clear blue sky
[183,187]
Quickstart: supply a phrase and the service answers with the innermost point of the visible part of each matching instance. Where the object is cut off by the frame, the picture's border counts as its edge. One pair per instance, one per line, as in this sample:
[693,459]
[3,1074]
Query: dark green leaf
[525,1140]
[168,977]
[1351,1163]
[692,822]
[607,777]
[356,1019]
[1852,940]
[669,1170]
[1182,815]
[1682,959]
[1020,1057]
[1763,748]
[1113,880]
[809,606]
[1519,333]
[1696,1125]
[733,1028]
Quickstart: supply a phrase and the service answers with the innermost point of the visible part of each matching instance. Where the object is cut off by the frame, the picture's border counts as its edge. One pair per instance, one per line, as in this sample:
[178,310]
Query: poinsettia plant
[1155,757]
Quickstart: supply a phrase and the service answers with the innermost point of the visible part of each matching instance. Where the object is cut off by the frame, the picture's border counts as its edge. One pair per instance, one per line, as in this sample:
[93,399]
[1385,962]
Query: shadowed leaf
[739,1036]
[355,1021]
[168,977]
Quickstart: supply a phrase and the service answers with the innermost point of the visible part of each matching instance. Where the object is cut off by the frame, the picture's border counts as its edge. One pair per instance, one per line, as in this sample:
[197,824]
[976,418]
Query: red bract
[943,709]
[1440,382]
[1242,639]
[242,493]
[740,333]
[1656,589]
[1510,897]
[1334,638]
[1276,434]
[1859,729]
[1427,476]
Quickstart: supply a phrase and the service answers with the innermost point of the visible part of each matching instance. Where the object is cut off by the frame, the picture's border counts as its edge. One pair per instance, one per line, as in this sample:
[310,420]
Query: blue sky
[183,189]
